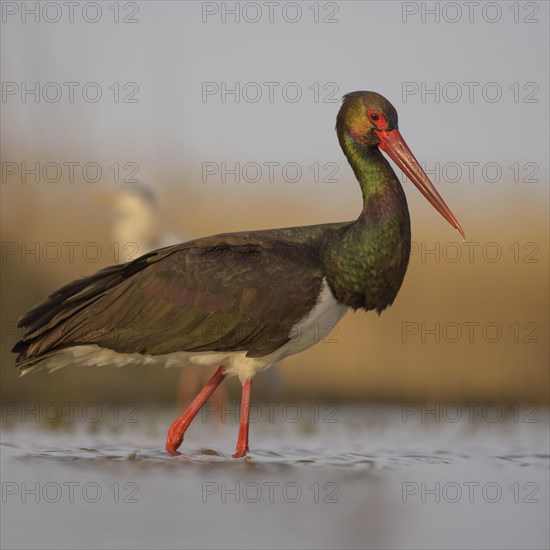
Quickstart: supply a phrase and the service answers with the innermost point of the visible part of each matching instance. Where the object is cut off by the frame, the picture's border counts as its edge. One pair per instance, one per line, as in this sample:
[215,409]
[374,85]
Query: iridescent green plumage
[367,264]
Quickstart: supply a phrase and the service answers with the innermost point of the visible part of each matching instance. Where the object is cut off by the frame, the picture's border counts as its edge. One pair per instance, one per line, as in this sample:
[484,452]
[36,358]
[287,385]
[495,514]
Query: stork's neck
[382,193]
[366,264]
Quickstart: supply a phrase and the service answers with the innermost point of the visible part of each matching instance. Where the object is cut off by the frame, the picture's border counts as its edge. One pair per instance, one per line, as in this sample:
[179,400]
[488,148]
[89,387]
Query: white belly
[318,324]
[315,326]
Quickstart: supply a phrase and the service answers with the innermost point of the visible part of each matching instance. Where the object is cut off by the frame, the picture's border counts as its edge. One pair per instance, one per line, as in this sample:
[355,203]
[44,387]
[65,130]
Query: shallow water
[355,477]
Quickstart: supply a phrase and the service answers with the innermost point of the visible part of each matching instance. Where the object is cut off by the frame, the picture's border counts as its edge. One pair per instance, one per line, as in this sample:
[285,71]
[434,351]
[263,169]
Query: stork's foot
[172,451]
[240,453]
[178,428]
[174,439]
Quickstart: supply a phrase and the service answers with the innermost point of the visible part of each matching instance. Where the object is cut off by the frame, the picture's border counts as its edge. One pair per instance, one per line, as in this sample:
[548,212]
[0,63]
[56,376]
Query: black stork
[244,300]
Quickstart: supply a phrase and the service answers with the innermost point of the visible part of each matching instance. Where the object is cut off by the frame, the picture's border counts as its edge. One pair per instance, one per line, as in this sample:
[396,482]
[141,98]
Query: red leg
[242,443]
[177,429]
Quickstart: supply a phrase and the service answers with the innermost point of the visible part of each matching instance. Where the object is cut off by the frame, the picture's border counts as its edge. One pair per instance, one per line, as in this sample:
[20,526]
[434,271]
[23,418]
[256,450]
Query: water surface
[360,477]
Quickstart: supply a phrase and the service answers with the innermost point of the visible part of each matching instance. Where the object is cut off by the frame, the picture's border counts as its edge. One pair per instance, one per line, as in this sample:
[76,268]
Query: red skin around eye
[381,123]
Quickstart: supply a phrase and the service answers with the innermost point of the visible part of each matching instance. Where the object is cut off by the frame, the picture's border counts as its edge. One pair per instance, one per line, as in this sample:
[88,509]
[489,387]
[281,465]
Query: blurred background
[229,124]
[131,125]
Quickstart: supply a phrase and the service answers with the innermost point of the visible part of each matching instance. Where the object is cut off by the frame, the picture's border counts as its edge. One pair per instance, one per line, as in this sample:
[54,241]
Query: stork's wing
[231,292]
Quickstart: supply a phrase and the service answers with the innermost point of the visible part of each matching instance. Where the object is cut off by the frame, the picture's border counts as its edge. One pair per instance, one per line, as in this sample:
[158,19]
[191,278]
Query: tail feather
[67,301]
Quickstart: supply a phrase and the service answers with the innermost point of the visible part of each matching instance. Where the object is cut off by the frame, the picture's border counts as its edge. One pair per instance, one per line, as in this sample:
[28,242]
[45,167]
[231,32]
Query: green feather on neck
[367,263]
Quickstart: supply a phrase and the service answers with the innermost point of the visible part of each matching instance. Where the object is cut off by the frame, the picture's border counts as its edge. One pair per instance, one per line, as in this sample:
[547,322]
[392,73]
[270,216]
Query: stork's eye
[377,118]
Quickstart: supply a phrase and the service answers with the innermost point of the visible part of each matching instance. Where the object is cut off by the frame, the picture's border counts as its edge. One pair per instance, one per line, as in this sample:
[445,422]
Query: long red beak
[392,143]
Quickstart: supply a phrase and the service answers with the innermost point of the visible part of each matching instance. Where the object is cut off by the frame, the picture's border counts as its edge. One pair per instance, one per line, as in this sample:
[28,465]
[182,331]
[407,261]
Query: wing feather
[230,292]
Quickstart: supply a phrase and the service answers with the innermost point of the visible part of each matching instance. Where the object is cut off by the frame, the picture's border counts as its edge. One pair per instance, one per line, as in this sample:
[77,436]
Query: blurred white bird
[136,223]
